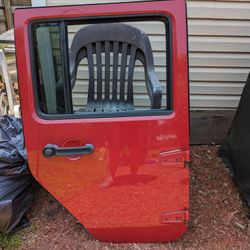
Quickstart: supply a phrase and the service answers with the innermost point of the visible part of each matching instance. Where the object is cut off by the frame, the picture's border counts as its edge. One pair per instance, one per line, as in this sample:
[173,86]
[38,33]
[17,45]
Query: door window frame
[63,22]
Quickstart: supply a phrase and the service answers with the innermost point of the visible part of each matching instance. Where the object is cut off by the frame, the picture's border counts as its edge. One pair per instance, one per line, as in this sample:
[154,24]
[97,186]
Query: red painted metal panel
[135,186]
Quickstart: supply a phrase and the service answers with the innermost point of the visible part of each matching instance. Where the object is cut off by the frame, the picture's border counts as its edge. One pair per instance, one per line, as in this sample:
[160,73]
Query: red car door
[123,175]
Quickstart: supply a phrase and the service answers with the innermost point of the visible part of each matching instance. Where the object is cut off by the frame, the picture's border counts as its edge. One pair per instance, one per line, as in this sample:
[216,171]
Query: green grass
[9,241]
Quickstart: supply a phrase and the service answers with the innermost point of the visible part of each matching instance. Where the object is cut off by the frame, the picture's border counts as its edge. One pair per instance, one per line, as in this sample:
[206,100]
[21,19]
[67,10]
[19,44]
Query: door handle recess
[54,150]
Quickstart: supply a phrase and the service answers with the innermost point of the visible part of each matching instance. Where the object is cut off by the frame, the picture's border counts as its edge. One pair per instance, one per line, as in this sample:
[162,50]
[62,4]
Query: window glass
[111,67]
[49,69]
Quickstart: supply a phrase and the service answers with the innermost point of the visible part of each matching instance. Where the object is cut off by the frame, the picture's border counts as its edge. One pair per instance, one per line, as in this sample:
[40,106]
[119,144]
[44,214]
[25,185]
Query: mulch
[219,215]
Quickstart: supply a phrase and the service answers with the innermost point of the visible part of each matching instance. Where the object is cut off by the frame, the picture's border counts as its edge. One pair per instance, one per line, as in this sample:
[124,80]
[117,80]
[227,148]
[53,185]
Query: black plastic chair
[112,93]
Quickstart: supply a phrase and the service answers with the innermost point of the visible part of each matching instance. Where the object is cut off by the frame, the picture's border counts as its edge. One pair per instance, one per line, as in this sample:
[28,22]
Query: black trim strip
[65,67]
[85,115]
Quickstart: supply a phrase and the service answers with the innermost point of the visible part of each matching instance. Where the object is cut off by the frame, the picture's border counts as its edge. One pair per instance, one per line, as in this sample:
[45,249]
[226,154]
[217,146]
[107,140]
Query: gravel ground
[219,215]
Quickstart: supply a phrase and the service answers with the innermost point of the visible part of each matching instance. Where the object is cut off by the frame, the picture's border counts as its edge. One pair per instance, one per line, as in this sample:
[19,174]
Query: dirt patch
[219,215]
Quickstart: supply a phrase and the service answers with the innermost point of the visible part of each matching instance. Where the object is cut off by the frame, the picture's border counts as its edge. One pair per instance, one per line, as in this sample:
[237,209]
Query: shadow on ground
[219,215]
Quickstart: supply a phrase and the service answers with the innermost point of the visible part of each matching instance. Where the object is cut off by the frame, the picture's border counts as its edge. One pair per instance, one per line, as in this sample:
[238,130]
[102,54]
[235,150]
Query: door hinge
[175,217]
[175,158]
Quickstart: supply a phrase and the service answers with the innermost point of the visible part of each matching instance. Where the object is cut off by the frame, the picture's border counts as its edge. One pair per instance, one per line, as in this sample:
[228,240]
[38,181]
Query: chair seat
[109,106]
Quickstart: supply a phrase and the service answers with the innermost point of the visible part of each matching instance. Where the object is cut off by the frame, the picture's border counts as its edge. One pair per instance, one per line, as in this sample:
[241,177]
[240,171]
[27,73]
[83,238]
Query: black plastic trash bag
[9,154]
[15,179]
[13,131]
[16,196]
[236,150]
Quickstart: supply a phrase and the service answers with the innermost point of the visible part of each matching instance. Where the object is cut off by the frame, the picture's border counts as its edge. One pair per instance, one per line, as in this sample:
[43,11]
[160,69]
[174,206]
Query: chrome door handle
[54,150]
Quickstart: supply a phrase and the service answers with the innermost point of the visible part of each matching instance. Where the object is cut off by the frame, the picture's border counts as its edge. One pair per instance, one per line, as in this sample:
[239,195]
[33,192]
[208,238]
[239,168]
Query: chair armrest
[154,89]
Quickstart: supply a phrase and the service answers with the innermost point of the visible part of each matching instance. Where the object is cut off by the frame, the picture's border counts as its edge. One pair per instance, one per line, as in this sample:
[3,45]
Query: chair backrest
[108,41]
